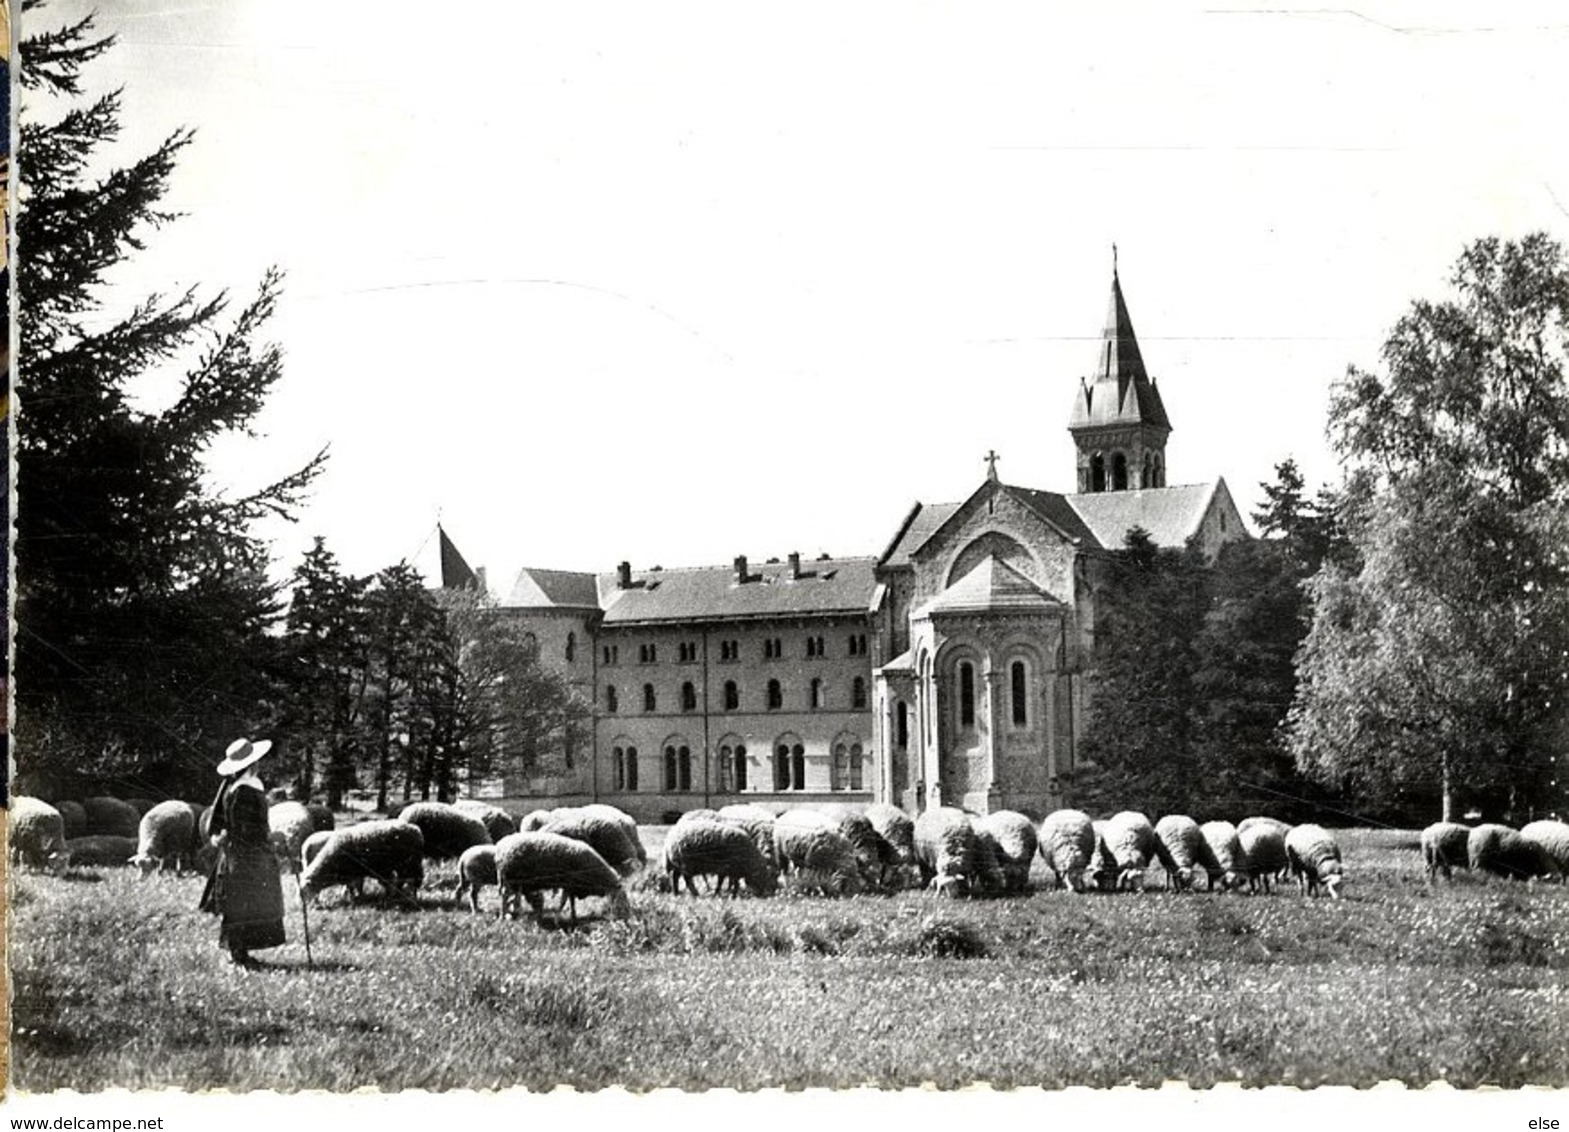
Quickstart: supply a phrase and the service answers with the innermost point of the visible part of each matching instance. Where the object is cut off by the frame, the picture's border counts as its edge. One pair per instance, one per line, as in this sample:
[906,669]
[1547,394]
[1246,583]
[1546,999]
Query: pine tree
[142,599]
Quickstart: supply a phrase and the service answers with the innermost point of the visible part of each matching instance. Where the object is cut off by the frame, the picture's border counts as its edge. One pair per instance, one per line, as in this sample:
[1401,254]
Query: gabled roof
[711,593]
[1169,514]
[919,525]
[544,589]
[1055,509]
[992,586]
[1118,390]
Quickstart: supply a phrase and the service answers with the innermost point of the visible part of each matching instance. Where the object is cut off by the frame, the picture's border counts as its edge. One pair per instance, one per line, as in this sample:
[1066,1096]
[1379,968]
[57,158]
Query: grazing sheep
[759,826]
[947,851]
[721,849]
[75,818]
[606,837]
[810,844]
[313,846]
[388,852]
[894,826]
[447,831]
[37,834]
[1315,859]
[1227,863]
[698,815]
[1500,851]
[1552,837]
[291,823]
[1130,839]
[1180,847]
[167,835]
[528,864]
[1264,849]
[497,822]
[873,855]
[628,826]
[476,869]
[533,821]
[1067,844]
[1103,866]
[1444,848]
[111,817]
[101,849]
[1013,842]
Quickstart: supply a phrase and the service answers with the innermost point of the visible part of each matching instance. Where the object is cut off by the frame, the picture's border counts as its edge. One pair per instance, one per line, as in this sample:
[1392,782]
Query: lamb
[528,864]
[1315,859]
[1552,837]
[721,849]
[476,869]
[388,852]
[101,849]
[75,818]
[1013,841]
[447,831]
[894,826]
[810,844]
[1227,863]
[291,823]
[1130,839]
[1180,846]
[111,817]
[1501,851]
[38,834]
[1067,842]
[1264,849]
[1444,848]
[947,851]
[624,820]
[497,822]
[167,834]
[606,837]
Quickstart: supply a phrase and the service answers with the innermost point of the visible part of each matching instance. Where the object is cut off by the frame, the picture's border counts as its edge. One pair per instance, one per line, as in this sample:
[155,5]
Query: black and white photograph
[788,563]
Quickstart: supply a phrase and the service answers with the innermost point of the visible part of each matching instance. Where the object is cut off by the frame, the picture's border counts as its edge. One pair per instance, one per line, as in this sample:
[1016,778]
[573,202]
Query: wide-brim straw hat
[241,754]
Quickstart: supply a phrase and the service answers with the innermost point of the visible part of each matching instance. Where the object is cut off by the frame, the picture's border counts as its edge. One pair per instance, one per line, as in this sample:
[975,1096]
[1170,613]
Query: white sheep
[1264,849]
[873,856]
[1315,859]
[1500,851]
[895,827]
[390,853]
[38,834]
[721,849]
[1130,839]
[111,817]
[1552,837]
[534,821]
[447,830]
[290,824]
[497,822]
[1067,843]
[167,835]
[1013,842]
[476,869]
[759,826]
[606,836]
[810,845]
[1227,863]
[1181,849]
[313,846]
[605,812]
[1283,873]
[1444,848]
[530,864]
[947,851]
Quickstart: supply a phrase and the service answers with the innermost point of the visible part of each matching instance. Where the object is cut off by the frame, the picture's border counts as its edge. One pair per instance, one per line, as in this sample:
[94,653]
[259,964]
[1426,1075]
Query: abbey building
[951,668]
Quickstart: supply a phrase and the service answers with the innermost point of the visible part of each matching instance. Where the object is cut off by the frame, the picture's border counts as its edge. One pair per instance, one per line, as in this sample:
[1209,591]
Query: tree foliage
[1438,658]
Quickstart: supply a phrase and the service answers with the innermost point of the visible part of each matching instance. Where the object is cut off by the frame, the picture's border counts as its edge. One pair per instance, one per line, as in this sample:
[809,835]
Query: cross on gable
[991,459]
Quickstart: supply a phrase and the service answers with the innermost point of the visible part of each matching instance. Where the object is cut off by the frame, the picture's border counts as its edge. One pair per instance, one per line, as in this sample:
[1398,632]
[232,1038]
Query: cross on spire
[991,459]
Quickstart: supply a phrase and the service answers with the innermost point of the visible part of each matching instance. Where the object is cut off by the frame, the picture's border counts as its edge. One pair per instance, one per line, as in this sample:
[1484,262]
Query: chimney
[740,569]
[624,575]
[795,564]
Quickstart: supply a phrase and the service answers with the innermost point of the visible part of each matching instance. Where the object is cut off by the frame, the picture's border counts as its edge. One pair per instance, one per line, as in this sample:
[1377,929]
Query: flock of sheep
[589,851]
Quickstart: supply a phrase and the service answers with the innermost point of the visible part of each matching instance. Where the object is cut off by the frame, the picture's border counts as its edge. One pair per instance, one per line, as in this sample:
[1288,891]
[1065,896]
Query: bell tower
[1118,422]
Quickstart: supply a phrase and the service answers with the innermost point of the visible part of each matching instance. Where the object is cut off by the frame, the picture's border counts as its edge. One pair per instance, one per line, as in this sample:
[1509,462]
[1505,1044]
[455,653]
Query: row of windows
[687,653]
[816,696]
[1117,476]
[1018,694]
[846,771]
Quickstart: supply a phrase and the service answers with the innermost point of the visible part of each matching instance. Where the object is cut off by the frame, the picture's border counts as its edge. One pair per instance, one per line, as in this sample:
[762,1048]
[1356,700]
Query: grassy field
[118,981]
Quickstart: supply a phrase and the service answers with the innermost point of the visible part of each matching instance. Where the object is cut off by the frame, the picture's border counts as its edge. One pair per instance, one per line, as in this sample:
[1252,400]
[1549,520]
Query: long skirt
[249,897]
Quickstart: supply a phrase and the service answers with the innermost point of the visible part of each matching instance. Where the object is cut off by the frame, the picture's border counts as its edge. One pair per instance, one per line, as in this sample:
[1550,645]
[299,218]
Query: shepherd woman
[244,888]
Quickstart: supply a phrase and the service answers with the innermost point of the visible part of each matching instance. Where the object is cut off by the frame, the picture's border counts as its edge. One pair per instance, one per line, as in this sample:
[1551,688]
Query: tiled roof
[991,585]
[1055,509]
[704,593]
[540,589]
[1169,514]
[919,525]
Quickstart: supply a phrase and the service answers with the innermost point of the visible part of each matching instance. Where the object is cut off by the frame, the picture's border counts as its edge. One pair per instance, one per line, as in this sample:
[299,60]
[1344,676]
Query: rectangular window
[729,650]
[612,654]
[648,654]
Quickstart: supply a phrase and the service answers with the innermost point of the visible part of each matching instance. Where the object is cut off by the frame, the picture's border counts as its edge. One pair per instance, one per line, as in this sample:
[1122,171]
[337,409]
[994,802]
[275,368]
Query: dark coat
[244,889]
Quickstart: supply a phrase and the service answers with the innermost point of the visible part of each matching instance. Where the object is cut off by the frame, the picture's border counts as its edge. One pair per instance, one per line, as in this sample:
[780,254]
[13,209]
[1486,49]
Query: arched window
[797,767]
[1020,689]
[611,704]
[732,768]
[648,697]
[732,696]
[571,647]
[901,726]
[775,696]
[1160,471]
[624,764]
[738,781]
[688,696]
[1119,472]
[782,767]
[858,693]
[966,695]
[856,781]
[1097,472]
[814,699]
[839,770]
[678,768]
[1149,471]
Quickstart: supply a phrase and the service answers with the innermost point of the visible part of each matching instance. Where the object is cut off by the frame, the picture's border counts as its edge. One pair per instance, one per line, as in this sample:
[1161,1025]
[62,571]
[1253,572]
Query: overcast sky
[672,282]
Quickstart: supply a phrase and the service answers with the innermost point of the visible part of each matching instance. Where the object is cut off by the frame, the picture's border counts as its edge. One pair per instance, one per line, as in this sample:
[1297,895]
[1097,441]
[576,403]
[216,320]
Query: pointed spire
[455,572]
[1118,390]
